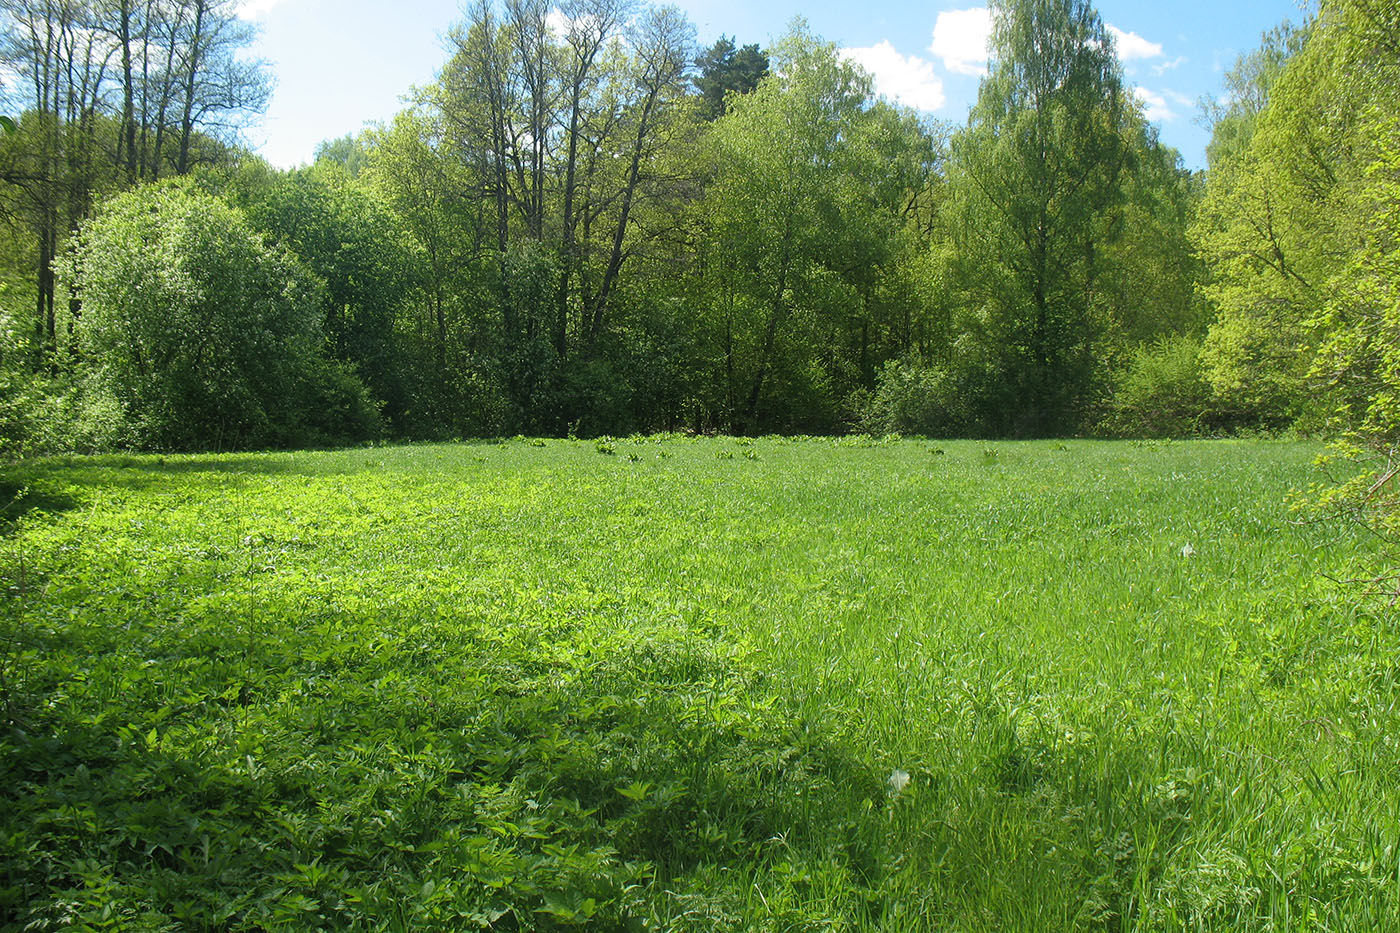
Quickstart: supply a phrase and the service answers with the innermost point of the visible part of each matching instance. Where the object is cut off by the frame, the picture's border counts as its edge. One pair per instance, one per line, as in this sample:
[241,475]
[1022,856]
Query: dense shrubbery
[1162,391]
[206,336]
[910,398]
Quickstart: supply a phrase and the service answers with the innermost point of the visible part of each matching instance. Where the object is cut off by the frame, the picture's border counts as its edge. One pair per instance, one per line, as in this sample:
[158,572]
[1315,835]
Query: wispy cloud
[1133,46]
[961,39]
[908,79]
[1154,106]
[1163,68]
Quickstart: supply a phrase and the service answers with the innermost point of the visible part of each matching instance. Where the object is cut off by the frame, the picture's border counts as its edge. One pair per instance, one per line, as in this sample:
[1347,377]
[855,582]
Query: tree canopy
[588,224]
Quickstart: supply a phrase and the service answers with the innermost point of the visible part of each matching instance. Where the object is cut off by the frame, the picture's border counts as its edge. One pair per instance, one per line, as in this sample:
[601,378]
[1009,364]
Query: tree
[59,56]
[726,70]
[1340,96]
[209,337]
[1038,172]
[1258,234]
[357,250]
[591,24]
[1247,86]
[348,152]
[218,86]
[661,44]
[558,122]
[176,70]
[431,197]
[803,217]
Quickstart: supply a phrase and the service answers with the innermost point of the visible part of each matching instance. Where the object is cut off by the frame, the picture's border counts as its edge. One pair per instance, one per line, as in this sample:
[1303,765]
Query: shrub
[911,398]
[205,335]
[336,407]
[1162,392]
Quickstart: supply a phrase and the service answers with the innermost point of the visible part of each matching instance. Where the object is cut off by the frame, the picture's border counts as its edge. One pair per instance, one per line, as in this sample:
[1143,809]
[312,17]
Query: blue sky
[341,63]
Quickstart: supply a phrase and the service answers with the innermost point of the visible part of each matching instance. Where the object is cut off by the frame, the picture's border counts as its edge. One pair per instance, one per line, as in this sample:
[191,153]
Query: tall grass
[697,683]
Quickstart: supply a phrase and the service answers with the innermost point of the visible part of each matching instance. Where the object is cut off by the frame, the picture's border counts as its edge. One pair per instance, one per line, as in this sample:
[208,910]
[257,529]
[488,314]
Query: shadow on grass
[55,486]
[20,496]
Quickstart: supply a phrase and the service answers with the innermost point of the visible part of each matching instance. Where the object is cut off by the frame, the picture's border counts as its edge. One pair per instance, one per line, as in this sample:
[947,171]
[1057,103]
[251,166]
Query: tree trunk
[191,82]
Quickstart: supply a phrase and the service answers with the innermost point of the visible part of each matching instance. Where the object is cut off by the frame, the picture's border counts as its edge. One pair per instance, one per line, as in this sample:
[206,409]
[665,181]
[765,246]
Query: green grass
[665,683]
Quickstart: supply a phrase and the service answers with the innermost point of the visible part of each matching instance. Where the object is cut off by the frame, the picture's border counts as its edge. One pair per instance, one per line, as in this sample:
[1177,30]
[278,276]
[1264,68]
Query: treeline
[586,225]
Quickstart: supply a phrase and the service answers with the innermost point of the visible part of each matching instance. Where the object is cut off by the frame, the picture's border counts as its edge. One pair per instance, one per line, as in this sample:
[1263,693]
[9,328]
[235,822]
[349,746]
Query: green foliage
[913,399]
[1358,324]
[1162,391]
[347,152]
[764,684]
[1300,226]
[571,229]
[1276,223]
[726,69]
[447,333]
[81,413]
[356,248]
[803,217]
[1247,87]
[1149,274]
[1038,176]
[335,407]
[206,336]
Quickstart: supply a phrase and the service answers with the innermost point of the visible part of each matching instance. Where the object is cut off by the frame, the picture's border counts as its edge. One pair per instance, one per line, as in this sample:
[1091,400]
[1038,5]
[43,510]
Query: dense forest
[588,225]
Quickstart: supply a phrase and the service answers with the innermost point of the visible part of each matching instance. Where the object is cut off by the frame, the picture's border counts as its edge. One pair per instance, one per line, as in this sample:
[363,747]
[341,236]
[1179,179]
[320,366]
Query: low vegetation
[679,683]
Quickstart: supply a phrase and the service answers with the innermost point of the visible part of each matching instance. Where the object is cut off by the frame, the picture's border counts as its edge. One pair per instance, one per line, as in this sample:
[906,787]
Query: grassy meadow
[697,684]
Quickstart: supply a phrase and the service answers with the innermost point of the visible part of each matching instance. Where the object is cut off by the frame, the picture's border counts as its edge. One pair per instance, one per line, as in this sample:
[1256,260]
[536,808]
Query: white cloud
[961,38]
[558,24]
[561,26]
[1131,45]
[1155,107]
[910,80]
[256,9]
[1163,68]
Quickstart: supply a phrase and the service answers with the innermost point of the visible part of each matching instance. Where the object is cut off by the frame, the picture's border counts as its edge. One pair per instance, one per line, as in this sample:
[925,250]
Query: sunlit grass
[673,683]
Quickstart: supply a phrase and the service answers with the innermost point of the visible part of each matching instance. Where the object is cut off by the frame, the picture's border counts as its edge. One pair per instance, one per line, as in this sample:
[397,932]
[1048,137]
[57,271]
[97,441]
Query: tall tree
[341,232]
[219,87]
[1039,169]
[724,70]
[811,183]
[102,84]
[448,337]
[58,54]
[1266,225]
[591,23]
[1331,138]
[661,44]
[558,118]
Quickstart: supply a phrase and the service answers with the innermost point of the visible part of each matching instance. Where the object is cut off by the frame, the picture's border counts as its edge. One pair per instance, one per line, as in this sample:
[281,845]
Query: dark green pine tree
[724,68]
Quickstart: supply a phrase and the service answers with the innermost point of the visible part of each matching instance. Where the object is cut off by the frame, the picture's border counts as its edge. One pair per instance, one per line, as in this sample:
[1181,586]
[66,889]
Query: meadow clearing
[677,683]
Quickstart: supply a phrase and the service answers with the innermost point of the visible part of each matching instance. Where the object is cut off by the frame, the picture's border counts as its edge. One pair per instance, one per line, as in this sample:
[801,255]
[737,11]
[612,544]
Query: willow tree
[1038,173]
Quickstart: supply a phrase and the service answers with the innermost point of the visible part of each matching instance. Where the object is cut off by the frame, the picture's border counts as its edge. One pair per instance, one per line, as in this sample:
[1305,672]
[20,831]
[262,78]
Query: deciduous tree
[1039,172]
